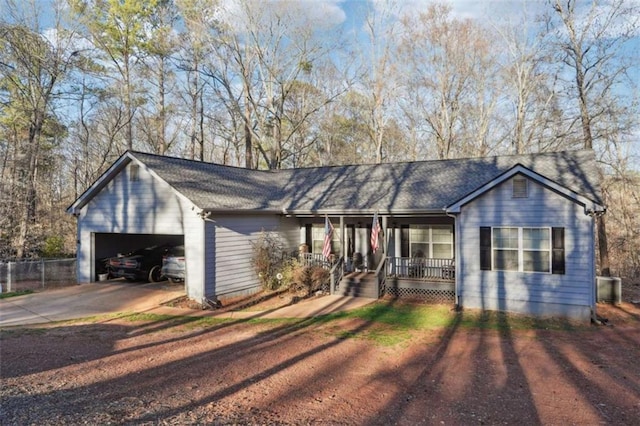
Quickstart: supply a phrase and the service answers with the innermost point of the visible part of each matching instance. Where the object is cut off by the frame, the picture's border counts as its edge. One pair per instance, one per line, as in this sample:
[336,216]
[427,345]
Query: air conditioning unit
[609,289]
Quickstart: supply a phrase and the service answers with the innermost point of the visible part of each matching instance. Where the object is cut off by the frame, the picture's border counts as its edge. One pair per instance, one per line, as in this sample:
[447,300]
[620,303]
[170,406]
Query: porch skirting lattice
[423,294]
[440,291]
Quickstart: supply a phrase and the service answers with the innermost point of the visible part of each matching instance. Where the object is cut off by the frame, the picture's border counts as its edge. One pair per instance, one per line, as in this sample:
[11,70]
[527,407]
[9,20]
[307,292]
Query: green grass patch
[18,332]
[390,323]
[15,294]
[145,317]
[399,316]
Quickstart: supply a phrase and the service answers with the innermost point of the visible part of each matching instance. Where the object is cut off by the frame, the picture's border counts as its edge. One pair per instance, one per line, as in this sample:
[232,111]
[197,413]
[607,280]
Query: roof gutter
[237,211]
[319,212]
[362,212]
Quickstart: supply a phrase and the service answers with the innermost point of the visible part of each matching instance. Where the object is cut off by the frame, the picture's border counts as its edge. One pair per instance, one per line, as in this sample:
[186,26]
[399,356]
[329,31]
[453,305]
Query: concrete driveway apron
[85,300]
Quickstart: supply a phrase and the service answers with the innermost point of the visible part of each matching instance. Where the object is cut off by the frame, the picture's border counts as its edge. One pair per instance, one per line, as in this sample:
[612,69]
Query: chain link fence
[37,274]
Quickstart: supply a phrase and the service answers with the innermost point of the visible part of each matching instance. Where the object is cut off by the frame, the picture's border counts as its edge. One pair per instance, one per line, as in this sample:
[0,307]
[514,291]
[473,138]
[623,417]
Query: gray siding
[232,272]
[144,206]
[195,252]
[569,295]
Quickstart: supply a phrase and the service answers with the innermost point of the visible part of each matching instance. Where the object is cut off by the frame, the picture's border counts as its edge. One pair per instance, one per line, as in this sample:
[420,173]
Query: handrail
[381,275]
[336,273]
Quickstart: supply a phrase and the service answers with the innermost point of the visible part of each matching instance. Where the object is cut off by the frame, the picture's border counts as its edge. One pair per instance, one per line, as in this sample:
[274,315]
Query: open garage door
[106,245]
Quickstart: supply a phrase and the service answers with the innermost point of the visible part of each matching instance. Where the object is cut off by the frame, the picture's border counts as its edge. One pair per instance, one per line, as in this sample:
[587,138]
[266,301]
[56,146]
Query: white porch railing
[421,268]
[313,259]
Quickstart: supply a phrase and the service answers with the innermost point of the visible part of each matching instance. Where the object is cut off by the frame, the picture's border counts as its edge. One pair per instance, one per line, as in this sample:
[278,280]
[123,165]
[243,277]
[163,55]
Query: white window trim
[430,242]
[335,238]
[521,249]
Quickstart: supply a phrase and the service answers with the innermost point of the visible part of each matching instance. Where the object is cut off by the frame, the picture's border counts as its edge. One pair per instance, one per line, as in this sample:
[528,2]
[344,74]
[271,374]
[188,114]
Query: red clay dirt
[304,371]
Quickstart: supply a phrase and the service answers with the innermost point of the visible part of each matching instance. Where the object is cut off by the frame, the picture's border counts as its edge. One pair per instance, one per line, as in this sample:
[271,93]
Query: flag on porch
[375,233]
[328,234]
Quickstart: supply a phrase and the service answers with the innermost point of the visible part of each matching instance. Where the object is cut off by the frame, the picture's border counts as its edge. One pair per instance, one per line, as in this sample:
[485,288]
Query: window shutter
[308,237]
[485,248]
[557,258]
[404,241]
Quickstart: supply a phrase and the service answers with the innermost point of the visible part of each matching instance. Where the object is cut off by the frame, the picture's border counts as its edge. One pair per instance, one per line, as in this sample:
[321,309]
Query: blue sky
[349,15]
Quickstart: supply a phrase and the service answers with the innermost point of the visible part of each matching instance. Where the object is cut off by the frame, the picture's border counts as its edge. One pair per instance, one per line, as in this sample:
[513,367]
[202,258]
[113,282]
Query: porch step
[359,284]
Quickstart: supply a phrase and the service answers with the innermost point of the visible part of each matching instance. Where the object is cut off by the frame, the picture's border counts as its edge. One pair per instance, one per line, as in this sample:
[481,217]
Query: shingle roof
[217,187]
[395,187]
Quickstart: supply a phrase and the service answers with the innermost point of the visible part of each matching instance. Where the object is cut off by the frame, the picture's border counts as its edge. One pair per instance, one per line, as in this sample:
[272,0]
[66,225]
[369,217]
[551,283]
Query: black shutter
[485,248]
[404,241]
[557,258]
[307,237]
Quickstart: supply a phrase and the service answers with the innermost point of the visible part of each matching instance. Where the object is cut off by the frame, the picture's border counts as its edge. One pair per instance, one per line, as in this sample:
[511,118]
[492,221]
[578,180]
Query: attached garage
[145,199]
[131,207]
[109,244]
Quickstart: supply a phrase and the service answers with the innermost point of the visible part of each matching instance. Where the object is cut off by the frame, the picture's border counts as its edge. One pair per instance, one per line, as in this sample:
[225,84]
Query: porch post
[344,251]
[385,244]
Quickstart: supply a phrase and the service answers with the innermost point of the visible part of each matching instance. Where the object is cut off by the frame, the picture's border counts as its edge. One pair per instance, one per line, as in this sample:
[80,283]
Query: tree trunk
[128,106]
[162,110]
[605,267]
[248,141]
[28,208]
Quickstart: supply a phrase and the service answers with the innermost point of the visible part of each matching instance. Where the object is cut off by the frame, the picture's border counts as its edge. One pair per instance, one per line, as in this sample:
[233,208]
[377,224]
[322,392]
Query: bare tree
[118,31]
[528,84]
[449,74]
[380,83]
[590,44]
[257,68]
[158,64]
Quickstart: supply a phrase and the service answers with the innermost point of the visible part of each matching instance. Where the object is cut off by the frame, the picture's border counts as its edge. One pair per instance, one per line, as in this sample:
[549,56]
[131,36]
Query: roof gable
[100,183]
[590,206]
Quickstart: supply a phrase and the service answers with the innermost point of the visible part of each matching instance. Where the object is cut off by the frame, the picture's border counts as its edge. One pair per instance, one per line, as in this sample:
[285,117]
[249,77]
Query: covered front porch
[415,257]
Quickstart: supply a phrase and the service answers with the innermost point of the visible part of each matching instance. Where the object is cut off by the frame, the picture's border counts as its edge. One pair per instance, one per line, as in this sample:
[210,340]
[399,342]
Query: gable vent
[134,173]
[520,188]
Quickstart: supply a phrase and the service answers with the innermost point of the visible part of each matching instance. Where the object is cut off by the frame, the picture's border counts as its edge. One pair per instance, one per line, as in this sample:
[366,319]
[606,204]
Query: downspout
[456,248]
[594,213]
[207,302]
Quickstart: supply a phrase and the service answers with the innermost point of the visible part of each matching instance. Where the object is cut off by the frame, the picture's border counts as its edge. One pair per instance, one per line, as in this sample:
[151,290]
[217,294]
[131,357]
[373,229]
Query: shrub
[309,279]
[53,246]
[269,257]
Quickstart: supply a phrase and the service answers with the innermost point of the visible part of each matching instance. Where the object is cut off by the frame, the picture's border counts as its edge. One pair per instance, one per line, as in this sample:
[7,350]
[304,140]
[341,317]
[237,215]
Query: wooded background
[267,84]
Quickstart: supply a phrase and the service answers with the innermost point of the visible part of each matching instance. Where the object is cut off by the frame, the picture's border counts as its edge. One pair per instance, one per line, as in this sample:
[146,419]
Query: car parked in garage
[140,265]
[173,264]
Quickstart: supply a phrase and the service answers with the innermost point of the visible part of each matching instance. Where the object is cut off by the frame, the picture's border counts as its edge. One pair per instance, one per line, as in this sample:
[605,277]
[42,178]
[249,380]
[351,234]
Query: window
[317,237]
[505,249]
[520,188]
[522,249]
[536,250]
[434,241]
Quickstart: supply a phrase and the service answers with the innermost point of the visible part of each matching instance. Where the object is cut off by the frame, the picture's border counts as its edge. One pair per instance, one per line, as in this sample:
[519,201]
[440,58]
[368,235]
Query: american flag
[375,233]
[328,233]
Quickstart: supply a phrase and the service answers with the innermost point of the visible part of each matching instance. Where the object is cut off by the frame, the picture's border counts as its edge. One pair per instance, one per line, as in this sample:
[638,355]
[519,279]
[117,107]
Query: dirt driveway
[196,371]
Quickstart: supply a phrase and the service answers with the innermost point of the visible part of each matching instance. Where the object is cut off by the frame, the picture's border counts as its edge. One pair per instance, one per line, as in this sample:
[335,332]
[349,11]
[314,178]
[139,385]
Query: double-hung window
[524,249]
[317,236]
[536,249]
[431,241]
